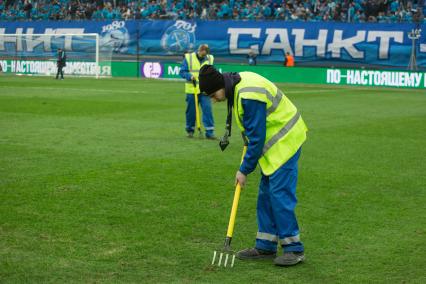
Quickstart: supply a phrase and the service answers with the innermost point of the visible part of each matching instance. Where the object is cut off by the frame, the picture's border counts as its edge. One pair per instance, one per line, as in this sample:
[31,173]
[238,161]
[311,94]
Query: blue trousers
[275,209]
[206,107]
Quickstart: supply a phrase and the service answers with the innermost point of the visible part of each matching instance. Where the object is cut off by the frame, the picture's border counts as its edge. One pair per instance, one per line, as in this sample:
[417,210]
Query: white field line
[77,89]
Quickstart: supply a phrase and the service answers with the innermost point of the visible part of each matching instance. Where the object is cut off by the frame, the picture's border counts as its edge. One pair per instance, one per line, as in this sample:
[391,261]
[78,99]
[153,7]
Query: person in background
[27,8]
[189,70]
[251,58]
[289,60]
[61,62]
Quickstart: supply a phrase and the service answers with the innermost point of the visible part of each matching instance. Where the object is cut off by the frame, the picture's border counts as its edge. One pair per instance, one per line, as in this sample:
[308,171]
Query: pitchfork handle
[231,224]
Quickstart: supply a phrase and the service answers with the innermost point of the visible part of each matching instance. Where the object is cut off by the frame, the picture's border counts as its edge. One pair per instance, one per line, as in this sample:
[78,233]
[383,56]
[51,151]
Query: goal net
[37,54]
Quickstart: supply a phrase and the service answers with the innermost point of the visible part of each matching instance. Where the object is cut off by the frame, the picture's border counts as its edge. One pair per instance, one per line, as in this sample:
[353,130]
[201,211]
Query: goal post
[37,53]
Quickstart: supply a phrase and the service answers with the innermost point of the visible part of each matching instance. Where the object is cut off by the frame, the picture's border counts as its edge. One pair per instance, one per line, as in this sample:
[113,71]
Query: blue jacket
[254,122]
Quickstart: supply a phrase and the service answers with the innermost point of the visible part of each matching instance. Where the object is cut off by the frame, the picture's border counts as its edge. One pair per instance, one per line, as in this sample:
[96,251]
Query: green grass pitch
[98,183]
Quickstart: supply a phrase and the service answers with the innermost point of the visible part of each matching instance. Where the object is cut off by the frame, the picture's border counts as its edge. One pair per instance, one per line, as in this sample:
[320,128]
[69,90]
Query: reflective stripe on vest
[281,133]
[275,100]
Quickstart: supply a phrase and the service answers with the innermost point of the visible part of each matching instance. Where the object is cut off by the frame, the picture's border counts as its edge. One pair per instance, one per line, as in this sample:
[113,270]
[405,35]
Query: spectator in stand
[27,8]
[97,14]
[353,11]
[72,10]
[126,13]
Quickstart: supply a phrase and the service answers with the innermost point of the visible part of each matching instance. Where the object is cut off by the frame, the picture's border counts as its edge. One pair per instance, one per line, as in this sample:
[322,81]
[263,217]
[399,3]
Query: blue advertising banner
[378,44]
[114,36]
[310,42]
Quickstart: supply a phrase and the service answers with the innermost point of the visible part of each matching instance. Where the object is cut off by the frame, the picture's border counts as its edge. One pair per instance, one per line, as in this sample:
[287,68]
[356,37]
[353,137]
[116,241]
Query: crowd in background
[354,11]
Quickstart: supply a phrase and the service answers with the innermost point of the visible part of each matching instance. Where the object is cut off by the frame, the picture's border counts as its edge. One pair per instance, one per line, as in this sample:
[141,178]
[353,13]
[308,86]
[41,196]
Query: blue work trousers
[275,209]
[206,107]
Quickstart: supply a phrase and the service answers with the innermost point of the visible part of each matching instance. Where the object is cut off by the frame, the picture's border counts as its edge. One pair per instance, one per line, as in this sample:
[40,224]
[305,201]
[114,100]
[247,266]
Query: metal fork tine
[214,257]
[227,256]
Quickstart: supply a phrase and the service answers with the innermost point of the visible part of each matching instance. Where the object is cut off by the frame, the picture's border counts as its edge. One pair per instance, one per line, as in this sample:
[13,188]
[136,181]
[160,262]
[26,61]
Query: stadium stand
[355,11]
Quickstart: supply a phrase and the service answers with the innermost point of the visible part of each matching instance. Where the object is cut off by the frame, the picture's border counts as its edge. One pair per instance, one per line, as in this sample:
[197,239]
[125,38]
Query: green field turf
[98,183]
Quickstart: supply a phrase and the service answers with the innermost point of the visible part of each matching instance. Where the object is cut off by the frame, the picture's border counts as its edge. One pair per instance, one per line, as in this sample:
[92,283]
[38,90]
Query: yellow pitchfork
[226,254]
[197,109]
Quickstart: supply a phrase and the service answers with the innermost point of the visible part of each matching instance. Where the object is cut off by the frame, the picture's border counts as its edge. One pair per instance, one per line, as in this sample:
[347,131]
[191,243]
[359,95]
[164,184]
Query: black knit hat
[210,79]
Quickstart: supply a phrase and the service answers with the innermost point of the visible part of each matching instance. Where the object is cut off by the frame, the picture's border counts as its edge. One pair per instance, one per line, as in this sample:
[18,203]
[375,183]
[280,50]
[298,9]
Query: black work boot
[254,253]
[289,258]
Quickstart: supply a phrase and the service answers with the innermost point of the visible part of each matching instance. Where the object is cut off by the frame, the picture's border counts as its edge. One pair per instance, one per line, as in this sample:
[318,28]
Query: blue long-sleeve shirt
[254,122]
[184,71]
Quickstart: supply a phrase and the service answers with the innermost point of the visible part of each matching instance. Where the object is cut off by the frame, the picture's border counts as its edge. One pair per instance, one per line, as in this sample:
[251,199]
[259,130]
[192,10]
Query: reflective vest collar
[193,56]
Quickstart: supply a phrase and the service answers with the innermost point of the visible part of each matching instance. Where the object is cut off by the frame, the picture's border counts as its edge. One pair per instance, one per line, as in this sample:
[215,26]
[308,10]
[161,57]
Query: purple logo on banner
[152,69]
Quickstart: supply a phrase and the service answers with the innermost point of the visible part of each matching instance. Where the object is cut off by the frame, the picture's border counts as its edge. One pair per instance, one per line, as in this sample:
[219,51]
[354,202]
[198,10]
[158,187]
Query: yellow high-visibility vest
[285,128]
[194,67]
